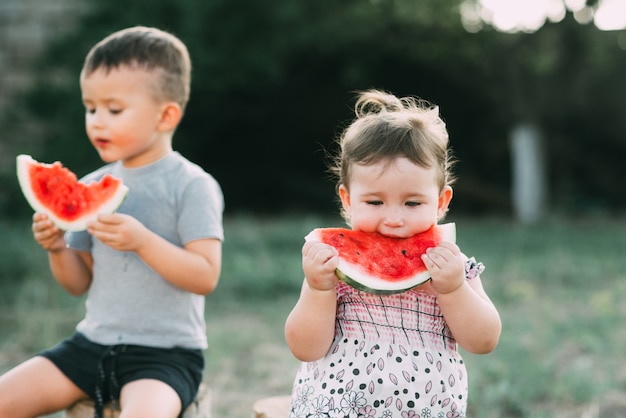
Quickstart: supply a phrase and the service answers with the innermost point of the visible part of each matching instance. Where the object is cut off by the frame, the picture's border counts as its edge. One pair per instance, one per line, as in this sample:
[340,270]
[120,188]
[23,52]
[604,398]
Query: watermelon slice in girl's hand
[377,264]
[70,204]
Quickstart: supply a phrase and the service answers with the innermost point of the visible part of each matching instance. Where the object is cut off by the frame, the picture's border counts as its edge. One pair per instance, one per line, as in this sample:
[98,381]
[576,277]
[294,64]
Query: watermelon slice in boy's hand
[377,264]
[69,203]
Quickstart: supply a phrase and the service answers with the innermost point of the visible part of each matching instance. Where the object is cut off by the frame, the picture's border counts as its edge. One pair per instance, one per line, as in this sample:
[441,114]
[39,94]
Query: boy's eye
[115,111]
[412,204]
[374,202]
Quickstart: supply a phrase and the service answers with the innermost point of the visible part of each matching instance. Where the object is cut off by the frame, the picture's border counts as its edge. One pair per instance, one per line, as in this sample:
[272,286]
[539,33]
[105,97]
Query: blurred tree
[273,85]
[565,79]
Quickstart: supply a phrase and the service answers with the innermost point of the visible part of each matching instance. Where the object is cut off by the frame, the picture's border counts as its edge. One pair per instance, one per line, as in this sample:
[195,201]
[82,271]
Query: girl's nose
[393,218]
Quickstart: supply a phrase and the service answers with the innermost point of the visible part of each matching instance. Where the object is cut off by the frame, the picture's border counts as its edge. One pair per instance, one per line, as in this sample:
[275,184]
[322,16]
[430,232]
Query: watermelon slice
[377,264]
[70,204]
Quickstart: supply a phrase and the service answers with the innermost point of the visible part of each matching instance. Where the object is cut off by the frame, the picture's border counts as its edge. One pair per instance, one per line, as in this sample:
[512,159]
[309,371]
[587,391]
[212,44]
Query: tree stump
[274,407]
[200,408]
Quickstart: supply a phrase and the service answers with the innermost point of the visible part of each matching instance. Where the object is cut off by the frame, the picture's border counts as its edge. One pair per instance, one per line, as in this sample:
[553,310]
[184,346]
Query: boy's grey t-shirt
[128,302]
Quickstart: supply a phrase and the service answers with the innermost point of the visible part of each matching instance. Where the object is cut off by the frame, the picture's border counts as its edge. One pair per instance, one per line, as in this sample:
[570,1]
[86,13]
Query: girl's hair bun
[377,101]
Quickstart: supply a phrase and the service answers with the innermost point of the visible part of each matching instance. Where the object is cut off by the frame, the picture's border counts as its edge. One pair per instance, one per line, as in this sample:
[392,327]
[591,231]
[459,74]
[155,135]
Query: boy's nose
[95,119]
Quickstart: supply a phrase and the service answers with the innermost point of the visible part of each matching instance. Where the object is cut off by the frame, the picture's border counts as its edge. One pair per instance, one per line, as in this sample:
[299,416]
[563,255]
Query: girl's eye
[412,204]
[115,111]
[374,202]
[90,111]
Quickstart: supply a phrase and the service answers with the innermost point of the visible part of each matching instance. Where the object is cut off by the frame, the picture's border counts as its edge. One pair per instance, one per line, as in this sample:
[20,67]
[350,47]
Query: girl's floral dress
[392,356]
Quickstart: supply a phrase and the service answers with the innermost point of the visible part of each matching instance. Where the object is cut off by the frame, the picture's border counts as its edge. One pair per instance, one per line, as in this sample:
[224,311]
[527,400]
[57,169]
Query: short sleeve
[80,240]
[201,210]
[473,268]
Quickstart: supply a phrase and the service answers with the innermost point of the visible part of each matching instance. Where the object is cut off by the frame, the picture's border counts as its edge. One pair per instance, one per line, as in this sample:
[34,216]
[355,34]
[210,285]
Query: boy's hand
[118,231]
[446,265]
[319,262]
[48,235]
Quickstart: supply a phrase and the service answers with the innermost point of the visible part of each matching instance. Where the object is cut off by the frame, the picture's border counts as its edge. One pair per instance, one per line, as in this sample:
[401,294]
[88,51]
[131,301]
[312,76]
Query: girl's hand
[47,234]
[446,265]
[118,231]
[319,262]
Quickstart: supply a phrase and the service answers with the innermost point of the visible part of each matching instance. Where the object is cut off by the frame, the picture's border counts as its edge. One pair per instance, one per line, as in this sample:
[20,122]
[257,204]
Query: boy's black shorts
[101,371]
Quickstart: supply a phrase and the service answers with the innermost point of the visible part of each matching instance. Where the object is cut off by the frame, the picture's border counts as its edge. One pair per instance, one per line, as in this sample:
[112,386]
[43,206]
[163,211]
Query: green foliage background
[274,83]
[558,287]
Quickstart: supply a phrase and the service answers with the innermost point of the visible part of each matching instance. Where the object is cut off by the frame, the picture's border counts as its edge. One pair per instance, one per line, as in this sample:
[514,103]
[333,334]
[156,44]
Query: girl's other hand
[46,233]
[319,262]
[446,265]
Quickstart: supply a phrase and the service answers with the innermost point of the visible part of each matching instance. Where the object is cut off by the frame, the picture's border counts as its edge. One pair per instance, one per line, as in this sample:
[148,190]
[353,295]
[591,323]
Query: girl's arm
[468,311]
[310,327]
[472,317]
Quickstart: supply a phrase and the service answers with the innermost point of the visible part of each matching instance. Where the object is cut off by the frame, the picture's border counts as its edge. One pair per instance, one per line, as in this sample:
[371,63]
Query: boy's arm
[72,269]
[310,327]
[195,268]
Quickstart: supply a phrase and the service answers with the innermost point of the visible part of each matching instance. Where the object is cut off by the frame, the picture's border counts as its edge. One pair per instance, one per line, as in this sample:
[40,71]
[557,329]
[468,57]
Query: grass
[558,287]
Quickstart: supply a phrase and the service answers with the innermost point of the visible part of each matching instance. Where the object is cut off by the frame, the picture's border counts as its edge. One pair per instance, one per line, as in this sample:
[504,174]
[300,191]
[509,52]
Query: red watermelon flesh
[379,264]
[56,191]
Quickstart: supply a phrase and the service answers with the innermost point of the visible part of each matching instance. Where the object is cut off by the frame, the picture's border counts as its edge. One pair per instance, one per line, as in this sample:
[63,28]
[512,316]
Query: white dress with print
[392,356]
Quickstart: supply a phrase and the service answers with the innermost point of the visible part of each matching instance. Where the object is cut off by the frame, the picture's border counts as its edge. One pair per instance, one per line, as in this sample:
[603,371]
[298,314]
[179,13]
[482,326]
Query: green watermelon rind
[110,206]
[378,287]
[354,275]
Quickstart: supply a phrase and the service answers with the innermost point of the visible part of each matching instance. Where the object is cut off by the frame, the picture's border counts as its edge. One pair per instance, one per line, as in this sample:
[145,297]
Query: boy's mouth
[101,142]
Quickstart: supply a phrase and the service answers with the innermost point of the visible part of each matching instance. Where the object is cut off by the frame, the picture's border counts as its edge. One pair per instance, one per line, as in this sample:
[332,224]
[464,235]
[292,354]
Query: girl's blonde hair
[387,127]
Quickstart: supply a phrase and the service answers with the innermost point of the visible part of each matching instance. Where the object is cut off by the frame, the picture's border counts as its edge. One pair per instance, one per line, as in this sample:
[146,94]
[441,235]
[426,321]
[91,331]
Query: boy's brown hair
[150,49]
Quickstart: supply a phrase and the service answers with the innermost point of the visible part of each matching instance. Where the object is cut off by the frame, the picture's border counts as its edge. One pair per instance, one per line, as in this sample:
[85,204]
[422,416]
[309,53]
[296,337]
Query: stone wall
[25,25]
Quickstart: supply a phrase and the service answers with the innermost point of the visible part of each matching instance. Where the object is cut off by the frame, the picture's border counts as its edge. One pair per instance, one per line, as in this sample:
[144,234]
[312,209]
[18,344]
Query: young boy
[146,268]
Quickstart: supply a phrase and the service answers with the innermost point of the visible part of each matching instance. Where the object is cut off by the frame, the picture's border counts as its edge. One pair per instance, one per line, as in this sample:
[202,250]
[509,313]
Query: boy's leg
[36,387]
[149,398]
[157,382]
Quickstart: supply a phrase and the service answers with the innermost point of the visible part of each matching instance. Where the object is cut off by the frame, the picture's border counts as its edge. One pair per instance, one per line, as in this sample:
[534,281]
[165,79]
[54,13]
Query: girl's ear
[444,201]
[344,195]
[171,113]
